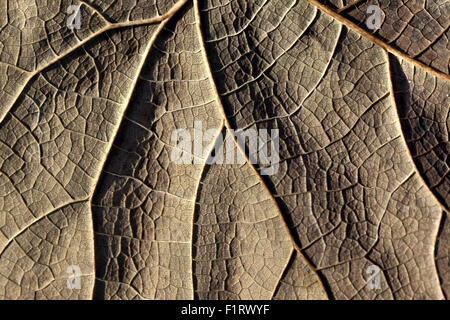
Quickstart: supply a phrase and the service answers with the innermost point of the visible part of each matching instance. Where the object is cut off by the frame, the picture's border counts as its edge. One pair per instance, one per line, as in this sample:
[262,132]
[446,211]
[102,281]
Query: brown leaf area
[420,28]
[88,182]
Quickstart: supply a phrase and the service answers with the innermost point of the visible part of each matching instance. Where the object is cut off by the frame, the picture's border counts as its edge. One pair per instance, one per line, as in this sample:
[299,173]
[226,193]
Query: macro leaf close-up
[224,149]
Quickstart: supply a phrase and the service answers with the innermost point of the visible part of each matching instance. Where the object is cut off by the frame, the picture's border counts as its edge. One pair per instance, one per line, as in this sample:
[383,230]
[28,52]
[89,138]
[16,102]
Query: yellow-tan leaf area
[87,176]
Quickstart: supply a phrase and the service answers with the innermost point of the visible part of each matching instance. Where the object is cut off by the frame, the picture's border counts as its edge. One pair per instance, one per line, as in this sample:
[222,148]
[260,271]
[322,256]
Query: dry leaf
[92,204]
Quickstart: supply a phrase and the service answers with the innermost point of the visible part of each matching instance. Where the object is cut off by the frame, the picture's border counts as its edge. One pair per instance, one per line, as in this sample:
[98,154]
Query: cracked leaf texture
[87,178]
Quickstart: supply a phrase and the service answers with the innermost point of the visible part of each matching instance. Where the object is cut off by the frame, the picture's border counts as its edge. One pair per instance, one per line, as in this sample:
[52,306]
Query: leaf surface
[88,179]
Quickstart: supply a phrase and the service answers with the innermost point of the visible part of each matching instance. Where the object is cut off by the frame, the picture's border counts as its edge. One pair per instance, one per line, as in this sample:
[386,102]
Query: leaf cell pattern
[87,179]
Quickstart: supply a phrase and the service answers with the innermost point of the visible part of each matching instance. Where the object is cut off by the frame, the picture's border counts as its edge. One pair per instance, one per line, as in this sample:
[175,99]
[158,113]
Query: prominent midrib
[196,200]
[163,21]
[351,25]
[149,46]
[86,40]
[248,162]
[404,140]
